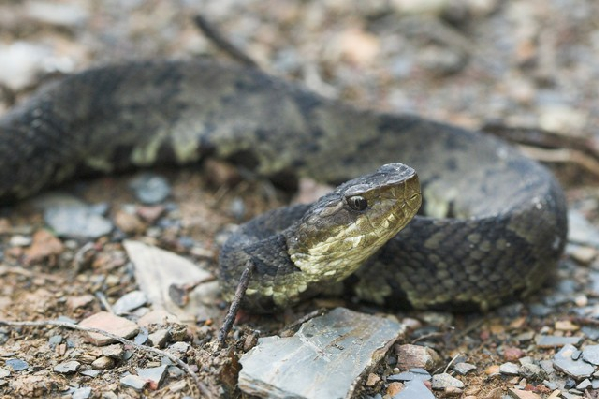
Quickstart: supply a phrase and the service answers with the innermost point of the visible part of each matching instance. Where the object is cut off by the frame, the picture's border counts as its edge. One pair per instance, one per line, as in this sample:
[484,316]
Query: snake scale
[491,227]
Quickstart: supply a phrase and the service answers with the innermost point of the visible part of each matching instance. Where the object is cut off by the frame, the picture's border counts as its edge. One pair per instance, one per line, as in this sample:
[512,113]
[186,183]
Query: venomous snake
[491,227]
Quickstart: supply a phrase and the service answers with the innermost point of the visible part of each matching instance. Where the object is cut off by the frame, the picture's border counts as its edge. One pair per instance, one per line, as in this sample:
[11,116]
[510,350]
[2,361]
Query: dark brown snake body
[493,223]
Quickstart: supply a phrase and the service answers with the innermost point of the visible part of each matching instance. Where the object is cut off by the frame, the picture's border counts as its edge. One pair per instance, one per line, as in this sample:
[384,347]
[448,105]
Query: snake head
[343,228]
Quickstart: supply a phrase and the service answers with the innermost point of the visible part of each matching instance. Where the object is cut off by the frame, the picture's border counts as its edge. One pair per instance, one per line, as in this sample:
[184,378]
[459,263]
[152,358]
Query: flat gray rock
[580,231]
[133,381]
[552,341]
[415,390]
[591,354]
[150,189]
[154,375]
[130,302]
[463,368]
[322,360]
[444,380]
[78,221]
[67,367]
[577,369]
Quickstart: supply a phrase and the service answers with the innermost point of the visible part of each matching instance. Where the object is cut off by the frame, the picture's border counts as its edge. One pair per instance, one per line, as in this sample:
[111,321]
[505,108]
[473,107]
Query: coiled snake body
[493,223]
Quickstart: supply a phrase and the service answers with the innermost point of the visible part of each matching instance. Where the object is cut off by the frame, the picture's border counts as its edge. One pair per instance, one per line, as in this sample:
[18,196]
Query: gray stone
[52,13]
[4,373]
[463,368]
[577,369]
[179,347]
[21,62]
[67,367]
[142,337]
[538,309]
[444,380]
[90,373]
[547,366]
[115,350]
[82,392]
[323,359]
[591,354]
[525,336]
[20,241]
[159,338]
[532,371]
[580,231]
[509,368]
[130,302]
[572,394]
[134,382]
[411,375]
[16,364]
[103,363]
[415,390]
[552,341]
[150,189]
[54,341]
[591,333]
[586,383]
[154,375]
[77,221]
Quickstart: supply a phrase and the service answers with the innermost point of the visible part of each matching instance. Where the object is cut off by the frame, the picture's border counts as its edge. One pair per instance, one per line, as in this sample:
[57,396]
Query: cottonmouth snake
[493,222]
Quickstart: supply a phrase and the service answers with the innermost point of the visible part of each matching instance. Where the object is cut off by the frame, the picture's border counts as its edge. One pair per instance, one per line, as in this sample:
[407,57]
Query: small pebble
[115,350]
[150,189]
[104,363]
[159,338]
[82,393]
[591,354]
[90,373]
[78,221]
[444,380]
[17,364]
[509,368]
[463,368]
[67,367]
[414,390]
[153,375]
[130,302]
[134,382]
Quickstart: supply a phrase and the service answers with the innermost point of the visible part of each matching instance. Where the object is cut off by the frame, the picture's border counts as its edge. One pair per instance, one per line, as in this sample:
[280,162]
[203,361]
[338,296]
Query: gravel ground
[528,63]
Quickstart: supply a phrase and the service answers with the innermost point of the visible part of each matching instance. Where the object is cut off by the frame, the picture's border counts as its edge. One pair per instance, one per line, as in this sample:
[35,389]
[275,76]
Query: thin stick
[242,286]
[124,341]
[213,34]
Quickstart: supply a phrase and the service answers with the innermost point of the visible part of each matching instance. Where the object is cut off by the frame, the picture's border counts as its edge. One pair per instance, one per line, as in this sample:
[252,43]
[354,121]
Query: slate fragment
[577,369]
[323,359]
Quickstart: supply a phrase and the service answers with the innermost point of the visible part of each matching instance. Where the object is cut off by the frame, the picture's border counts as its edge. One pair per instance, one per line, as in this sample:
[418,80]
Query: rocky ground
[529,64]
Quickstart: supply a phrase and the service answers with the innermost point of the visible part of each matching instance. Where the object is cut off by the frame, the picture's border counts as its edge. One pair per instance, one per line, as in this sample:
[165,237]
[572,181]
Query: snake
[471,223]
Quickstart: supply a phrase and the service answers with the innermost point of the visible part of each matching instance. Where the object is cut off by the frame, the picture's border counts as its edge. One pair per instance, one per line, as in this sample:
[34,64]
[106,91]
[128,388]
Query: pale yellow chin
[335,258]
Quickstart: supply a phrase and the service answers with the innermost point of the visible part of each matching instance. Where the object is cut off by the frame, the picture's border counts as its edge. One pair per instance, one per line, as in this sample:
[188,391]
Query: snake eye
[357,202]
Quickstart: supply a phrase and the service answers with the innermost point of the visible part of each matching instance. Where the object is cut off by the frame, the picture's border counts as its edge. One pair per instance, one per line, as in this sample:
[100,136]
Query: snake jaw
[332,240]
